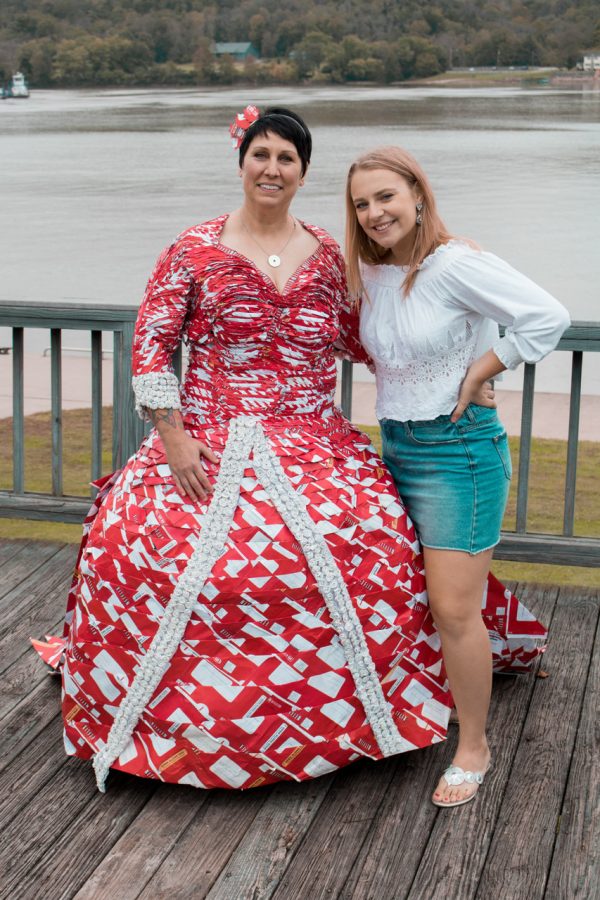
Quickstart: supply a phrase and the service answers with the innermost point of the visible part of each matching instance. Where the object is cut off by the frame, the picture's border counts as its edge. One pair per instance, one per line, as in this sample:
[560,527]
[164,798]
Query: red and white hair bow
[242,123]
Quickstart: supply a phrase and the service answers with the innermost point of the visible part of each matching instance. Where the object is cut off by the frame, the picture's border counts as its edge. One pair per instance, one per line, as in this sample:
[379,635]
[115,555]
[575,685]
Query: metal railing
[128,430]
[97,320]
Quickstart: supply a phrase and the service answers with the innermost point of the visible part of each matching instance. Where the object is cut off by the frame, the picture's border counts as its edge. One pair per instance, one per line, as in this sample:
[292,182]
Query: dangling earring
[419,216]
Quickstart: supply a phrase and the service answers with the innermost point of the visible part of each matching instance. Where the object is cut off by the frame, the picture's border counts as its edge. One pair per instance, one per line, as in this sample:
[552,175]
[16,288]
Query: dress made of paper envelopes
[280,629]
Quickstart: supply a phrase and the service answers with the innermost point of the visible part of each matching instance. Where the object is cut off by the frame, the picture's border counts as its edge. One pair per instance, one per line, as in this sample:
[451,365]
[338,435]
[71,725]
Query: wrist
[168,422]
[171,436]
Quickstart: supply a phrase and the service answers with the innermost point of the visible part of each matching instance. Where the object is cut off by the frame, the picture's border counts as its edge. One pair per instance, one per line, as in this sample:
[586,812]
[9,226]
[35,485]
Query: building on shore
[591,61]
[237,50]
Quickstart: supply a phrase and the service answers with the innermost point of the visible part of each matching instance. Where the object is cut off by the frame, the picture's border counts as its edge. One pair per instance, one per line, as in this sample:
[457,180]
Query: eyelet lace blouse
[422,345]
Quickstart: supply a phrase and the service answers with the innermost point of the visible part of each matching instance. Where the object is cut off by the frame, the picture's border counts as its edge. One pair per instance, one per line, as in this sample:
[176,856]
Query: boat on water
[16,87]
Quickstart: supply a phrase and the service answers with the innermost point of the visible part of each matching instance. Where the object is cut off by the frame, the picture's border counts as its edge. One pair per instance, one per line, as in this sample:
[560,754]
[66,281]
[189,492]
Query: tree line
[126,42]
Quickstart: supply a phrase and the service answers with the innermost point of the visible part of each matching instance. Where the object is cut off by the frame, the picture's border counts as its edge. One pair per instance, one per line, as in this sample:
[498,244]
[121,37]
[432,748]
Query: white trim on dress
[246,435]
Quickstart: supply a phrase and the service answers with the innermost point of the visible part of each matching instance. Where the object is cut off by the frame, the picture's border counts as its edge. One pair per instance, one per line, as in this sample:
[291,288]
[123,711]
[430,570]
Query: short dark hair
[285,123]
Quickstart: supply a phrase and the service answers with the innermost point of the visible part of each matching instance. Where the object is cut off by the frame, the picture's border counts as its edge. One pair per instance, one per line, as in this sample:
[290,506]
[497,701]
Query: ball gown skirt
[278,630]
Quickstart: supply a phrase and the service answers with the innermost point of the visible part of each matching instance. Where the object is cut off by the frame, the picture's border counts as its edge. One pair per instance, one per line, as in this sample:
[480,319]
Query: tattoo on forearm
[164,415]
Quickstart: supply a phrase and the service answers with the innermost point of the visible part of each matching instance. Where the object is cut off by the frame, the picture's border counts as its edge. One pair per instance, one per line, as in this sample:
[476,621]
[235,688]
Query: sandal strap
[456,776]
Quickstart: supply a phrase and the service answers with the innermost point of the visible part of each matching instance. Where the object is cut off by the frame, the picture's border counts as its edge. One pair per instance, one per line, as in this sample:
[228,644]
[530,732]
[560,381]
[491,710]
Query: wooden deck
[365,832]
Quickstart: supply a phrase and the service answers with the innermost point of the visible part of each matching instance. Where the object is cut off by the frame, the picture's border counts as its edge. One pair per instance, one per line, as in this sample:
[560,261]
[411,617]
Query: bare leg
[455,584]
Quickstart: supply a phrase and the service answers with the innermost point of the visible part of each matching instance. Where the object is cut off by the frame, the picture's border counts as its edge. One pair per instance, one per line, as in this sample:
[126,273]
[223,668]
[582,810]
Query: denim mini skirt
[453,477]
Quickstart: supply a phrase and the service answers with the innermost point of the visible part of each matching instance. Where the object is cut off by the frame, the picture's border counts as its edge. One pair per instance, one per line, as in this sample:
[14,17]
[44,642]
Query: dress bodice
[253,350]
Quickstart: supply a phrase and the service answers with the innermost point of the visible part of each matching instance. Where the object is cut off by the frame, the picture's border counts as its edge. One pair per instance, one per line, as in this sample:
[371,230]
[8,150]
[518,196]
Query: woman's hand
[184,454]
[473,391]
[476,386]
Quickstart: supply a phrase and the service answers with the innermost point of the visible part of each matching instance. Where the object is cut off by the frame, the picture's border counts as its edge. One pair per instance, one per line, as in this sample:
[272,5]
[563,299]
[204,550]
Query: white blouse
[422,344]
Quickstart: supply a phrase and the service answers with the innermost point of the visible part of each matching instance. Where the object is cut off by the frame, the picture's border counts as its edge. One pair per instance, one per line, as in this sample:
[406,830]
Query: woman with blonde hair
[429,314]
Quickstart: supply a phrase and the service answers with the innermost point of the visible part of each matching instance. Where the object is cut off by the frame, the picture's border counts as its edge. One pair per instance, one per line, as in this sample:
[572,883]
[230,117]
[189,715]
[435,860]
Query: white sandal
[455,776]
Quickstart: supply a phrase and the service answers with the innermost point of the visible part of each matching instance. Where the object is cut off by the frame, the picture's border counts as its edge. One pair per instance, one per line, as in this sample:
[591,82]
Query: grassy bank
[491,78]
[546,490]
[77,429]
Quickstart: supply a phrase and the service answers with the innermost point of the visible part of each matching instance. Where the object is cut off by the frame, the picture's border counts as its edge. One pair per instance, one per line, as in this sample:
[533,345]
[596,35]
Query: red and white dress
[279,629]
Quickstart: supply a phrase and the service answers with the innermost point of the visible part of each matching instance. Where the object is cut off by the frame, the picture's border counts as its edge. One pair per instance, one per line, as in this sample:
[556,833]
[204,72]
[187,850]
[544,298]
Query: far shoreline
[531,78]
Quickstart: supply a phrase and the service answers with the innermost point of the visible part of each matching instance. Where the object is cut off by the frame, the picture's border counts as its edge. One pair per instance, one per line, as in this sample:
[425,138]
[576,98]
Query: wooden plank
[31,769]
[31,610]
[580,335]
[571,472]
[78,316]
[18,415]
[321,865]
[34,588]
[194,863]
[521,849]
[50,810]
[23,723]
[66,863]
[26,672]
[454,857]
[9,547]
[63,816]
[575,869]
[255,868]
[43,507]
[553,549]
[378,859]
[19,560]
[23,718]
[143,847]
[35,621]
[388,857]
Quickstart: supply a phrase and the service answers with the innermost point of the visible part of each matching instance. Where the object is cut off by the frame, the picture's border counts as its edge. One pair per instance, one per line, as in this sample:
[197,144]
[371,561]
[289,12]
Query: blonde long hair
[430,234]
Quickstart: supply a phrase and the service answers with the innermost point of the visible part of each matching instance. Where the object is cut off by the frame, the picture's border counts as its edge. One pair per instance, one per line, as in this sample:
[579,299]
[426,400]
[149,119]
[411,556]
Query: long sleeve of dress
[348,339]
[534,319]
[158,332]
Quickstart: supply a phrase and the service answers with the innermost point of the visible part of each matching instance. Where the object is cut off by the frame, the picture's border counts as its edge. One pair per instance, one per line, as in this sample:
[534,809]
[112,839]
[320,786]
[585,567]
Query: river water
[95,183]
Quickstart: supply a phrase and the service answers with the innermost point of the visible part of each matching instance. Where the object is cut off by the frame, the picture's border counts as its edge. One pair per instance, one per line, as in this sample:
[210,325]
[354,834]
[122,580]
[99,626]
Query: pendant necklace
[274,259]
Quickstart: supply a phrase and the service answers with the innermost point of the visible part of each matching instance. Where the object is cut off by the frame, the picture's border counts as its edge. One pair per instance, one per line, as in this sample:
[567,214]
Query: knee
[454,616]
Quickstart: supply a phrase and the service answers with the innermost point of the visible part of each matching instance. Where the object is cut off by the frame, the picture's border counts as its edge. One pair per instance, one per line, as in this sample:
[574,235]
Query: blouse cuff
[507,353]
[155,390]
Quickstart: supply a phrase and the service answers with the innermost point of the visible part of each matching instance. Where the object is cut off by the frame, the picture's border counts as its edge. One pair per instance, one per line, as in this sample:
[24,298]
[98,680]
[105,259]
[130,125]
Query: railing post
[525,448]
[96,469]
[346,398]
[56,410]
[117,425]
[178,362]
[571,473]
[18,412]
[132,431]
